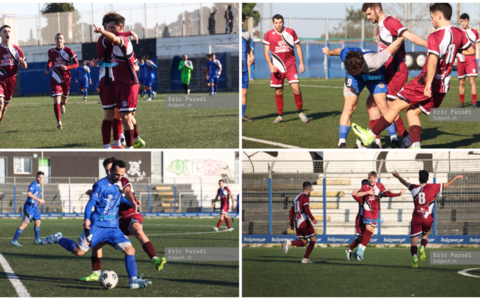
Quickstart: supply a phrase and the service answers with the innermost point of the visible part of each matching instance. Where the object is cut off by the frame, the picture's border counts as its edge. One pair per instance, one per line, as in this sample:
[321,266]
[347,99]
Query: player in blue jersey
[150,74]
[246,63]
[214,71]
[364,68]
[101,224]
[84,79]
[207,82]
[141,76]
[30,210]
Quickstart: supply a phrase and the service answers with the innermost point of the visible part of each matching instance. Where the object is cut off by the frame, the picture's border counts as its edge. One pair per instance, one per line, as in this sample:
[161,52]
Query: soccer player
[282,41]
[214,71]
[396,71]
[150,74]
[359,225]
[126,81]
[61,60]
[424,195]
[246,63]
[299,219]
[141,76]
[12,56]
[223,192]
[429,88]
[30,210]
[186,67]
[364,68]
[372,191]
[467,65]
[101,225]
[84,79]
[207,82]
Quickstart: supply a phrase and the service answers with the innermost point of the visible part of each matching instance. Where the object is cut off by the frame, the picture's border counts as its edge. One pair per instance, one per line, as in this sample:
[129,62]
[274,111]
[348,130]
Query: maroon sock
[424,242]
[298,101]
[96,263]
[413,250]
[106,131]
[372,124]
[401,130]
[309,249]
[354,244]
[56,109]
[462,98]
[219,223]
[148,248]
[366,237]
[279,103]
[117,129]
[298,244]
[227,220]
[380,126]
[135,131]
[474,99]
[129,137]
[415,131]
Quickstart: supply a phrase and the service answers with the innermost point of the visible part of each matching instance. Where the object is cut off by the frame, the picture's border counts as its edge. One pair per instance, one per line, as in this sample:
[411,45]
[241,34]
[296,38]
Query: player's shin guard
[379,126]
[343,132]
[354,244]
[68,244]
[298,102]
[227,220]
[424,242]
[219,223]
[117,129]
[298,244]
[85,93]
[56,109]
[474,99]
[148,248]
[106,132]
[37,232]
[149,93]
[413,250]
[392,131]
[462,98]
[244,107]
[17,234]
[215,88]
[415,131]
[279,103]
[96,263]
[310,247]
[401,130]
[131,266]
[367,235]
[135,132]
[129,138]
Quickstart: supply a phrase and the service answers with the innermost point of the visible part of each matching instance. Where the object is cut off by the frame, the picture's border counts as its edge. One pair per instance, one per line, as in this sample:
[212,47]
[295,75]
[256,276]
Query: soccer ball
[108,279]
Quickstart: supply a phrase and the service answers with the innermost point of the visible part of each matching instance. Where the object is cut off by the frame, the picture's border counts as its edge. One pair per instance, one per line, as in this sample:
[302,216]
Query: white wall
[39,53]
[193,46]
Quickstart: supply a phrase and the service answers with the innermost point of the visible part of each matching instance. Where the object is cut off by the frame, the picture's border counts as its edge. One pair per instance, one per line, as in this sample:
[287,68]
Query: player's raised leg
[137,231]
[373,116]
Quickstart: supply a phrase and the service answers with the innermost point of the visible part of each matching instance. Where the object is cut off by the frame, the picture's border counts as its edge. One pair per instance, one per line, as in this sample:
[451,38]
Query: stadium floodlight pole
[149,193]
[269,200]
[327,44]
[363,33]
[69,196]
[325,167]
[15,193]
[81,22]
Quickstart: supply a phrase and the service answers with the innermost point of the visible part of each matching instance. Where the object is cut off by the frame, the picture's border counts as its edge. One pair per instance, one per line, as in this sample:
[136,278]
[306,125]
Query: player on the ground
[430,87]
[186,67]
[224,193]
[247,50]
[467,65]
[299,219]
[30,210]
[83,79]
[396,71]
[424,195]
[281,41]
[61,60]
[364,68]
[12,57]
[359,225]
[141,76]
[126,81]
[150,74]
[214,71]
[102,224]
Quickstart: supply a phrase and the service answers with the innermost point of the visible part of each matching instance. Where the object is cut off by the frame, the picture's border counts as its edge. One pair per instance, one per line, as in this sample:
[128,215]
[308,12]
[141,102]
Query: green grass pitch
[385,272]
[52,271]
[30,123]
[323,105]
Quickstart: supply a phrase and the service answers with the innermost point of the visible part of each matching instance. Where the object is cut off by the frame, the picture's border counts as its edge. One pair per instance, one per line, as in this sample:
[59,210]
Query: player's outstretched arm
[390,194]
[431,70]
[362,194]
[301,67]
[395,46]
[333,52]
[108,35]
[412,37]
[445,185]
[402,181]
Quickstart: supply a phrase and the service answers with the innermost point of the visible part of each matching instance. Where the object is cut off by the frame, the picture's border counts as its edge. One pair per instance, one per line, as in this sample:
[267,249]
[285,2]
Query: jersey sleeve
[94,198]
[395,27]
[381,187]
[433,46]
[358,199]
[266,39]
[20,52]
[477,37]
[295,37]
[124,43]
[411,186]
[438,188]
[32,188]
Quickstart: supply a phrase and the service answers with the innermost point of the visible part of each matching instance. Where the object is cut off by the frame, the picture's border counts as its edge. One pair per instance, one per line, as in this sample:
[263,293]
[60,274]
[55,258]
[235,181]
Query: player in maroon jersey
[467,65]
[61,60]
[300,216]
[424,195]
[396,72]
[281,41]
[429,88]
[11,56]
[223,193]
[359,224]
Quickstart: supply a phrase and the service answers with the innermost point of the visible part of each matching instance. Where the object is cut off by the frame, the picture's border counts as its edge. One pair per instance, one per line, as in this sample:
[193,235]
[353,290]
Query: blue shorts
[245,80]
[213,79]
[83,84]
[31,214]
[354,85]
[148,82]
[140,80]
[110,235]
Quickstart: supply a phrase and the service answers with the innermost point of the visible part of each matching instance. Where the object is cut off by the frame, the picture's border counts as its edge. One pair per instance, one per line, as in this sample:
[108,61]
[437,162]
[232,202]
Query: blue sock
[343,131]
[211,89]
[131,266]
[17,235]
[149,93]
[244,106]
[85,93]
[143,93]
[392,130]
[67,244]
[37,232]
[215,88]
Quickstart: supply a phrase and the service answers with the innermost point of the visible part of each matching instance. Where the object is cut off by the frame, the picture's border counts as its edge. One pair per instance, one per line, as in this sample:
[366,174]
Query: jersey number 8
[421,198]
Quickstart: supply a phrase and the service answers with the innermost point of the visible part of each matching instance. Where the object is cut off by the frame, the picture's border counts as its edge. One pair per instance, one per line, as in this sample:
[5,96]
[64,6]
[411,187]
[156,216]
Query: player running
[299,215]
[281,41]
[396,71]
[223,192]
[424,195]
[150,74]
[12,57]
[430,87]
[30,210]
[61,60]
[247,50]
[101,225]
[467,65]
[359,225]
[186,67]
[214,71]
[83,79]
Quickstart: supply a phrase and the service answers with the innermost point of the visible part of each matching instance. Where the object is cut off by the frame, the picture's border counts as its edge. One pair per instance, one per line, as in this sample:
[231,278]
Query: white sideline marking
[319,86]
[270,143]
[70,103]
[17,284]
[464,272]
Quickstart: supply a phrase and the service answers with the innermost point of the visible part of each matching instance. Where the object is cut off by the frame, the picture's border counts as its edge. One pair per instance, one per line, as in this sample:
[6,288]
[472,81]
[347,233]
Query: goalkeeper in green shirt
[186,67]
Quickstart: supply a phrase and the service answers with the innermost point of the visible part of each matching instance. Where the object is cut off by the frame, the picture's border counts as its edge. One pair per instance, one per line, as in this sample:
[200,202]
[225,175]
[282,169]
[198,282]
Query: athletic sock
[96,263]
[135,131]
[56,109]
[211,89]
[310,247]
[298,101]
[413,250]
[219,223]
[227,220]
[372,124]
[279,103]
[392,131]
[131,266]
[148,248]
[343,132]
[143,93]
[401,130]
[354,244]
[367,235]
[298,244]
[424,243]
[129,138]
[474,99]
[379,126]
[17,234]
[85,93]
[37,232]
[244,107]
[149,93]
[67,244]
[106,131]
[415,131]
[462,98]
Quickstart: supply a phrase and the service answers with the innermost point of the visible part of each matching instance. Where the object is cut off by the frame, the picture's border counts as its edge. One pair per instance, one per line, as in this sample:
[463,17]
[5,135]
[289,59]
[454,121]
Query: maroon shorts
[224,208]
[370,217]
[60,89]
[412,93]
[359,225]
[276,79]
[420,225]
[126,96]
[467,68]
[395,82]
[305,231]
[6,88]
[126,224]
[107,96]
